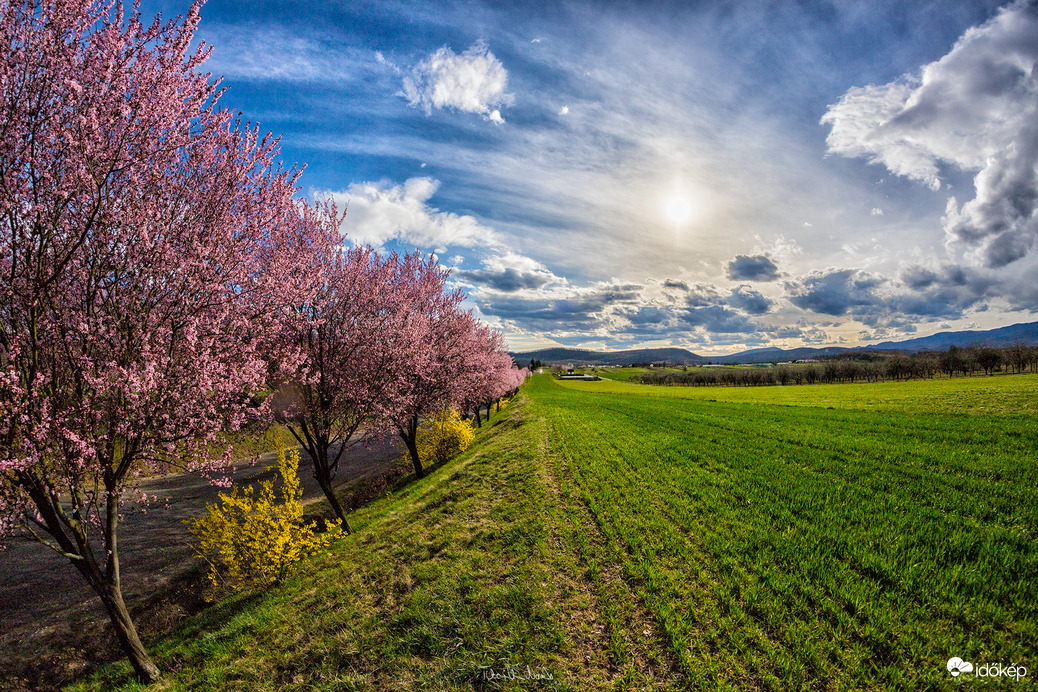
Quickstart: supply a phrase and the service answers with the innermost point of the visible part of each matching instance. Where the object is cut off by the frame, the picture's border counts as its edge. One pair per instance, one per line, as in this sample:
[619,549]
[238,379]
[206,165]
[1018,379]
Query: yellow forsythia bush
[443,435]
[254,538]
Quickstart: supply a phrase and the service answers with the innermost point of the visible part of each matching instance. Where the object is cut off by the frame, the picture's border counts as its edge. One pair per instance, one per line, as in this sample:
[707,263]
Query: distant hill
[776,355]
[1005,336]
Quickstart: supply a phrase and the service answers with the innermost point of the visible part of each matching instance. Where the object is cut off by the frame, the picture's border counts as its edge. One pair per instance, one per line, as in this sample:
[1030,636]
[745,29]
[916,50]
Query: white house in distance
[571,375]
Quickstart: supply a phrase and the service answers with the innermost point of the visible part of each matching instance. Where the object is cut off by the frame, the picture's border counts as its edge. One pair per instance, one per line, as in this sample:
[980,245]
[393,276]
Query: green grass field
[620,374]
[1000,395]
[606,535]
[786,546]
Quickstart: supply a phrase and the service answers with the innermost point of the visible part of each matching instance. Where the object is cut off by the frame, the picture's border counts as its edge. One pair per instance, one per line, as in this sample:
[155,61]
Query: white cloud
[876,211]
[510,272]
[269,53]
[555,192]
[564,110]
[474,82]
[379,212]
[975,109]
[513,260]
[862,113]
[779,246]
[381,60]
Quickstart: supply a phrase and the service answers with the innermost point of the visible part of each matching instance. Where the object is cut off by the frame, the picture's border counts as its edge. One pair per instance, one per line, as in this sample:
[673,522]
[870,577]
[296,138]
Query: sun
[678,209]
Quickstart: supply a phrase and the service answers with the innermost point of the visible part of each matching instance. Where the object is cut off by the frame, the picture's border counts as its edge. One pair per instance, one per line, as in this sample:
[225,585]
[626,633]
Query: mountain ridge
[1025,332]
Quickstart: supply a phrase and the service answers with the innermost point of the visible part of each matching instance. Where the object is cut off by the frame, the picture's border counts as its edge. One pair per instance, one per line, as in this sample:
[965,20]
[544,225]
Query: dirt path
[52,626]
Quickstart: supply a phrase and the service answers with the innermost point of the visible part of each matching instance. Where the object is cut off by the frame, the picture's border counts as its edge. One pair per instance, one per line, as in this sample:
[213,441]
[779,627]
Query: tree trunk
[479,421]
[410,438]
[316,445]
[112,597]
[108,586]
[323,475]
[73,541]
[333,500]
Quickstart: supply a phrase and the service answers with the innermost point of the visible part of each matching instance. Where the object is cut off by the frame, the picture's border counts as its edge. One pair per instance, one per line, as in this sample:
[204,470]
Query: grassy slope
[478,565]
[651,543]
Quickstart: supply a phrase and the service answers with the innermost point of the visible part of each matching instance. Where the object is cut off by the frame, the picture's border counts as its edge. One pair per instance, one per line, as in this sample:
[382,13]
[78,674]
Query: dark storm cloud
[919,277]
[718,319]
[703,295]
[928,293]
[648,321]
[834,292]
[943,292]
[951,275]
[756,268]
[538,314]
[745,298]
[680,285]
[647,315]
[570,312]
[1010,245]
[508,280]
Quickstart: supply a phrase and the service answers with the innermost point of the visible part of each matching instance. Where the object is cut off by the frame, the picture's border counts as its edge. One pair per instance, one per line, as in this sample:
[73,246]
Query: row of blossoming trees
[382,344]
[162,288]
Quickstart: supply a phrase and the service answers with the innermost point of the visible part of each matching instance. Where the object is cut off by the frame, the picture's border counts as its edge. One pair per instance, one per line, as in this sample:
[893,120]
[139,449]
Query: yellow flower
[256,539]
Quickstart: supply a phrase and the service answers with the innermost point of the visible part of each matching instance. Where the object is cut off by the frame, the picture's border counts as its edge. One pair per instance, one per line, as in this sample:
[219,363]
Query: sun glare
[678,209]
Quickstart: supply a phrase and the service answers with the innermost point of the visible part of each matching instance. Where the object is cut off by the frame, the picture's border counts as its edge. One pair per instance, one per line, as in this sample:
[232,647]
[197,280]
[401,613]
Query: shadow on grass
[192,636]
[408,479]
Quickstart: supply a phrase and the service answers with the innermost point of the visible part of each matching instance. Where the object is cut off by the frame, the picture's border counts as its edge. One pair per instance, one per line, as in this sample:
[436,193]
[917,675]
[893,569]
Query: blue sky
[712,175]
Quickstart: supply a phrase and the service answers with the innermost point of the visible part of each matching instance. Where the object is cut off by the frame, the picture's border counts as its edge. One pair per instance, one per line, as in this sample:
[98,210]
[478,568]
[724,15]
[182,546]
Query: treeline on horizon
[869,366]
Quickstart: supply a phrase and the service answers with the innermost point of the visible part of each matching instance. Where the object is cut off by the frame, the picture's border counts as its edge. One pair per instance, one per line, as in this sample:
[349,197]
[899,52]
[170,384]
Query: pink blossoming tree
[148,240]
[430,348]
[384,344]
[346,335]
[486,364]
